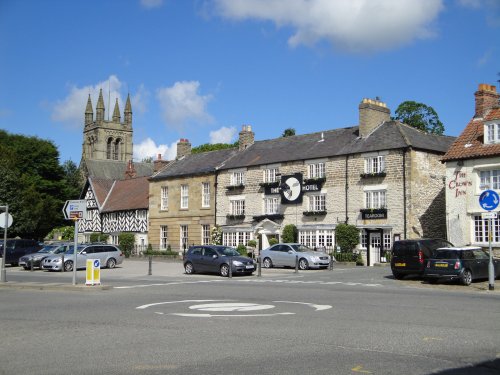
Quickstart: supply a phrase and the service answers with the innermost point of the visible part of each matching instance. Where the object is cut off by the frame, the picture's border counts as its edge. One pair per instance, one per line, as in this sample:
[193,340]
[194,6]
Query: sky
[201,69]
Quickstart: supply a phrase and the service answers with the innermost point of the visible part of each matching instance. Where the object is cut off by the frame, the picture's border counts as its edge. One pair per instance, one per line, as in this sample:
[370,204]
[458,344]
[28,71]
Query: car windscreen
[402,248]
[301,248]
[445,254]
[48,249]
[228,251]
[70,249]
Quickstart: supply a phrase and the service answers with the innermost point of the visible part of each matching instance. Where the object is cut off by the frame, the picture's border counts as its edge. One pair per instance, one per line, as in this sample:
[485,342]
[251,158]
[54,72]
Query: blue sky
[200,69]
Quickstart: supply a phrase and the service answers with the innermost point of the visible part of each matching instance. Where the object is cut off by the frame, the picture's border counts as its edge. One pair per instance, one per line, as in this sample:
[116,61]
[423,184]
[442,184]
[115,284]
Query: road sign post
[489,201]
[7,222]
[75,210]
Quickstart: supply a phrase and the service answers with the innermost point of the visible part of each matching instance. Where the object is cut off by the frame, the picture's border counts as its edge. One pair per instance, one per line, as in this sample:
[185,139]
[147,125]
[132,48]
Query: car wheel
[303,264]
[224,270]
[397,275]
[188,267]
[267,263]
[466,278]
[68,266]
[111,263]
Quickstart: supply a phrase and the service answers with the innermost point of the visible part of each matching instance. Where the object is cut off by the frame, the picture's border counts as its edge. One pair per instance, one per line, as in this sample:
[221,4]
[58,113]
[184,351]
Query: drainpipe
[346,190]
[215,197]
[404,192]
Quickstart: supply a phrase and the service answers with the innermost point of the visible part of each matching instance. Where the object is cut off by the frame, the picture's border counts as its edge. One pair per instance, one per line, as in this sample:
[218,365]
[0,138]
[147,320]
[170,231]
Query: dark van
[16,248]
[409,256]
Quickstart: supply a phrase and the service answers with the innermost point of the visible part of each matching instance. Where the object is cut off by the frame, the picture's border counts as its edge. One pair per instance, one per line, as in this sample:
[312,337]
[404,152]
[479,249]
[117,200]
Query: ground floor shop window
[317,238]
[481,230]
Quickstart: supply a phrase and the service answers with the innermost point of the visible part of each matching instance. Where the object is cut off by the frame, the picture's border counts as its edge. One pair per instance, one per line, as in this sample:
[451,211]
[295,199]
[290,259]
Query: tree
[289,233]
[288,132]
[347,236]
[419,116]
[73,180]
[213,147]
[126,241]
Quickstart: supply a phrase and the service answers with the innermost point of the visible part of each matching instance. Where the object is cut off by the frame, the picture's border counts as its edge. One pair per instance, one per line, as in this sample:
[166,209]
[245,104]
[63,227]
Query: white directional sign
[489,215]
[75,209]
[2,220]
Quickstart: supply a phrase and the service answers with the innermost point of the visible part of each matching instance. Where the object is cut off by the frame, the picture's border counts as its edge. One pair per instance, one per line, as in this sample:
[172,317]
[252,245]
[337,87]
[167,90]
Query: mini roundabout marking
[226,308]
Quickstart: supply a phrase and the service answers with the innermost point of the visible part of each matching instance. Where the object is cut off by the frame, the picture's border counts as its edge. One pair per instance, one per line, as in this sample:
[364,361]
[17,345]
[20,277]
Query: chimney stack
[159,163]
[183,148]
[372,113]
[247,137]
[487,97]
[130,172]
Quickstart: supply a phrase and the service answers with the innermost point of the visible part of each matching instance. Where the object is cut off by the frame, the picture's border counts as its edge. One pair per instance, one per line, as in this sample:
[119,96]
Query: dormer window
[491,133]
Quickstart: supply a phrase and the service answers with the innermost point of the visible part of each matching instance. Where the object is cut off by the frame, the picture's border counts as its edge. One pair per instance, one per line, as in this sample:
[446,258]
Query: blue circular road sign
[96,263]
[489,200]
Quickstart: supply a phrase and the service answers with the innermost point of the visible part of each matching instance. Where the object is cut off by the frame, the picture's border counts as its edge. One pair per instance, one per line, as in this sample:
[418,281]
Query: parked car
[459,263]
[217,259]
[36,259]
[285,255]
[108,255]
[16,248]
[409,256]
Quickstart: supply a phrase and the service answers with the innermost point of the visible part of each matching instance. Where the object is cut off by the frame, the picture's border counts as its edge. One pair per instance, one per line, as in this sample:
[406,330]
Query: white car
[108,255]
[286,254]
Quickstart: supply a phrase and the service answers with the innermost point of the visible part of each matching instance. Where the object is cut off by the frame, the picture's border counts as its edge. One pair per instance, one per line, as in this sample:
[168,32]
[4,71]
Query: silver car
[35,259]
[108,255]
[286,254]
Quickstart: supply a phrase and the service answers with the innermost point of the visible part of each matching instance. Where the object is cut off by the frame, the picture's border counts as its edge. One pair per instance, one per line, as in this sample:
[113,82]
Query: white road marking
[231,307]
[314,306]
[230,316]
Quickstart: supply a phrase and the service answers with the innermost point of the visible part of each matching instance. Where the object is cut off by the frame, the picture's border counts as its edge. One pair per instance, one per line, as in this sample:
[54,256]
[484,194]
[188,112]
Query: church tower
[104,139]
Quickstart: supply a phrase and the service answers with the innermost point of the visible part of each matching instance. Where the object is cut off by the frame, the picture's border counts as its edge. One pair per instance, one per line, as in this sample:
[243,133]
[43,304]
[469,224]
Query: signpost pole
[491,270]
[3,272]
[74,251]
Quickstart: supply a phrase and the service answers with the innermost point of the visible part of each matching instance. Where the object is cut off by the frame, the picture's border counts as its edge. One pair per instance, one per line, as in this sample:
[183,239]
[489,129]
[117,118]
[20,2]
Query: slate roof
[195,164]
[114,169]
[470,144]
[344,141]
[128,194]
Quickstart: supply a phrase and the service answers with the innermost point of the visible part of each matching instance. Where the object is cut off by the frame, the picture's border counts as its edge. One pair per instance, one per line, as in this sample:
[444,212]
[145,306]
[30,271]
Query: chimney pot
[486,98]
[372,113]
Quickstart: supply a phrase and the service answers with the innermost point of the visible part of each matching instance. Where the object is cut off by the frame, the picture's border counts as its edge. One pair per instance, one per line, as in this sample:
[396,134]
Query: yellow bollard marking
[358,369]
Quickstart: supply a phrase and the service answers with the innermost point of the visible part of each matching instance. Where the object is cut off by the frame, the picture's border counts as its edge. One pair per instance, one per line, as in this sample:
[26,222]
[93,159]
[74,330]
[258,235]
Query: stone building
[473,166]
[182,199]
[382,176]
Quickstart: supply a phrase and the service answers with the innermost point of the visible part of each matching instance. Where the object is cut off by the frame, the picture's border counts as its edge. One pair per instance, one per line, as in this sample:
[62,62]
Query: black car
[460,263]
[216,259]
[409,256]
[16,248]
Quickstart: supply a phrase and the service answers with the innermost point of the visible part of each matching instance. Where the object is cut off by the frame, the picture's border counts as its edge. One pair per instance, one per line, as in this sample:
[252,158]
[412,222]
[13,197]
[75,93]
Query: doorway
[375,246]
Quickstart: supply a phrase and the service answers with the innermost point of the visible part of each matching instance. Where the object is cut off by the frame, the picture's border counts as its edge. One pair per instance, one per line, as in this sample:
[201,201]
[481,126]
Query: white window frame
[183,238]
[141,214]
[237,206]
[271,205]
[375,199]
[317,238]
[205,194]
[491,132]
[164,198]
[316,170]
[489,179]
[163,237]
[270,175]
[237,178]
[480,230]
[375,164]
[113,217]
[317,202]
[184,196]
[205,234]
[236,238]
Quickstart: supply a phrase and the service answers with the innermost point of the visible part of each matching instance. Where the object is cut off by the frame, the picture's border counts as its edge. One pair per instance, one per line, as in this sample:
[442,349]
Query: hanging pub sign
[291,188]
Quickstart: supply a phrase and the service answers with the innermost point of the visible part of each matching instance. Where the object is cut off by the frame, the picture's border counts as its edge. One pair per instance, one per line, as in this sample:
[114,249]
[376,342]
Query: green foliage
[32,184]
[99,237]
[149,159]
[212,147]
[347,236]
[242,249]
[216,235]
[273,241]
[359,261]
[126,241]
[290,233]
[73,181]
[288,132]
[66,233]
[419,116]
[252,243]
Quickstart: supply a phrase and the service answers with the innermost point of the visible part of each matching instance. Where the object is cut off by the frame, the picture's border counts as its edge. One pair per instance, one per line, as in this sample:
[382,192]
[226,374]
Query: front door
[375,245]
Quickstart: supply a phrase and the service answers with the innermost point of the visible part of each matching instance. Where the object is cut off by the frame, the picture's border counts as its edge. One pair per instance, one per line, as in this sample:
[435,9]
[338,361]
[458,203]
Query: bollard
[259,267]
[150,270]
[230,267]
[296,263]
[330,266]
[62,262]
[31,267]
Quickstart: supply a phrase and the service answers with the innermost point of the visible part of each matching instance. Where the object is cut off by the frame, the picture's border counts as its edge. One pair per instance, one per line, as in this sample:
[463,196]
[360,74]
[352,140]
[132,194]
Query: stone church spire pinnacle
[89,112]
[128,111]
[116,112]
[100,108]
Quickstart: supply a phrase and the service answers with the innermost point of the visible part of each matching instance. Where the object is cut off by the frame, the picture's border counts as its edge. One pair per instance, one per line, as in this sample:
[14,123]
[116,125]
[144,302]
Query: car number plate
[249,267]
[441,265]
[400,264]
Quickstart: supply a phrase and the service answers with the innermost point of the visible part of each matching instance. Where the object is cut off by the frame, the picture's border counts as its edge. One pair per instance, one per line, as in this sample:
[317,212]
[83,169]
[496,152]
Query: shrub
[242,249]
[252,243]
[273,241]
[359,260]
[289,233]
[99,237]
[216,235]
[347,236]
[126,241]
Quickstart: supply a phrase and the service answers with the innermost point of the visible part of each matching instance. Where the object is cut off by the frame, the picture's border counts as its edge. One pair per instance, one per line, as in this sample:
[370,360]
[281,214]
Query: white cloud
[149,4]
[223,135]
[182,103]
[353,25]
[71,110]
[148,148]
